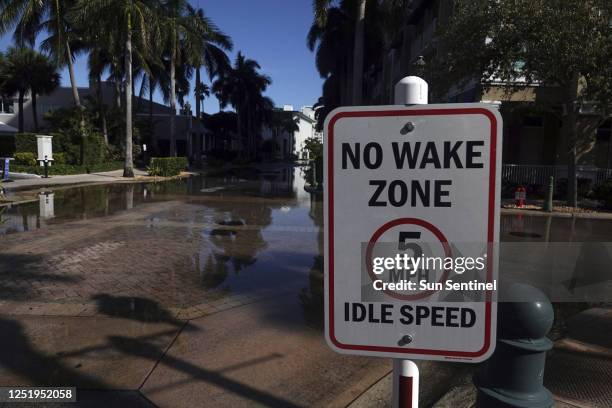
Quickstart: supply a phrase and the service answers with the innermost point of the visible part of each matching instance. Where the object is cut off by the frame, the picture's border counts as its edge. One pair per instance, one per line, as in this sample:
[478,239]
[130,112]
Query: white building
[290,144]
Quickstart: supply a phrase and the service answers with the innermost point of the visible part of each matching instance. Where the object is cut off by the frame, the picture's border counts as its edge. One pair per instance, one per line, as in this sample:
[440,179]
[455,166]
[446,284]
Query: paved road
[206,298]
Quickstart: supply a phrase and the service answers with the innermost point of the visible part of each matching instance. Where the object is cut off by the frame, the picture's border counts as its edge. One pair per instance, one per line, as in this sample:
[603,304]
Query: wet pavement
[202,290]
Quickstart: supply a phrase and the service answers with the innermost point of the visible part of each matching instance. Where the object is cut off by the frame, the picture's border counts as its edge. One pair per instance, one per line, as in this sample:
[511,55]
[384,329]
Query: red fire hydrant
[520,195]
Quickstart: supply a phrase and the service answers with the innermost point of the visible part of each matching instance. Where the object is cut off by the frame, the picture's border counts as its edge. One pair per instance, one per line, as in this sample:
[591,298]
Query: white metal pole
[405,384]
[410,90]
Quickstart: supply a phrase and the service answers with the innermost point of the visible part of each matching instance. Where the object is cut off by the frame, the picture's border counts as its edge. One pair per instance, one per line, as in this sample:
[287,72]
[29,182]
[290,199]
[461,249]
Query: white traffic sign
[422,181]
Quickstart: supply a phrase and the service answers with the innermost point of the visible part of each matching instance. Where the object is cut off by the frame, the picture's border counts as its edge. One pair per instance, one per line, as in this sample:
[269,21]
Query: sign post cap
[411,90]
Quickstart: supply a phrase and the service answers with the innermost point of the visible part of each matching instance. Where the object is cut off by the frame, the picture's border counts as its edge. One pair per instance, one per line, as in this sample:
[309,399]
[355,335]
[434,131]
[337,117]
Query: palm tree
[30,17]
[208,46]
[358,52]
[333,44]
[45,80]
[174,12]
[321,13]
[23,70]
[192,41]
[242,87]
[133,20]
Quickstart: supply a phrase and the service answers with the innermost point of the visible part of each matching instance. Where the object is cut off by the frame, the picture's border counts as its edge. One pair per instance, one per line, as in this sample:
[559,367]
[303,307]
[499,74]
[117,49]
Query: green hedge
[26,158]
[604,193]
[68,144]
[26,142]
[64,169]
[167,166]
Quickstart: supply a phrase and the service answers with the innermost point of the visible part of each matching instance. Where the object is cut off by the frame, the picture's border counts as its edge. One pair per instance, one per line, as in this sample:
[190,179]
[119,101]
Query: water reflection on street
[238,232]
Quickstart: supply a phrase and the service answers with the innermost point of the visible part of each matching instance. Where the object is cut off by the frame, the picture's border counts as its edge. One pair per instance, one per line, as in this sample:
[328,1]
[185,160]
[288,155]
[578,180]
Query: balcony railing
[539,175]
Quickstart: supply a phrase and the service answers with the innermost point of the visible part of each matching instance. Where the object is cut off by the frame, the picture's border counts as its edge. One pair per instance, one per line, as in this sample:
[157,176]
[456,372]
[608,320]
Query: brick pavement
[172,254]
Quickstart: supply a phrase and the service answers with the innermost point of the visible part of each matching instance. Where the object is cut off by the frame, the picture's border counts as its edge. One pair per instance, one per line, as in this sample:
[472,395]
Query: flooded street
[185,293]
[207,290]
[180,243]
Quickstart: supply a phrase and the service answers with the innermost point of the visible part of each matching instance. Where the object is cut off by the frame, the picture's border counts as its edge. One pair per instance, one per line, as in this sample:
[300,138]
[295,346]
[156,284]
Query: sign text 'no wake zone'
[425,178]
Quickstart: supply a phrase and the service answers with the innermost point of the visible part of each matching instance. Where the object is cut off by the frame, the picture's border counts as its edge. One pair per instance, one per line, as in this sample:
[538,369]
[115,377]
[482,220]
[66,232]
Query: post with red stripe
[405,384]
[410,90]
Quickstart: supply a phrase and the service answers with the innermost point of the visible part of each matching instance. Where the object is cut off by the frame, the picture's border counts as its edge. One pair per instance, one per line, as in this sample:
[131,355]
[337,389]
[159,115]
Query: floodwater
[293,206]
[162,259]
[239,231]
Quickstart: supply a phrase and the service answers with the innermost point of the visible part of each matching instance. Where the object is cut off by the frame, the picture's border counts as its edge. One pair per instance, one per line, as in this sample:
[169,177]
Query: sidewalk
[578,371]
[102,177]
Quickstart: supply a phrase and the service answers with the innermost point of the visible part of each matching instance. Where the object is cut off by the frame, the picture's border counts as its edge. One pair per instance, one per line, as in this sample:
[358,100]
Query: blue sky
[273,32]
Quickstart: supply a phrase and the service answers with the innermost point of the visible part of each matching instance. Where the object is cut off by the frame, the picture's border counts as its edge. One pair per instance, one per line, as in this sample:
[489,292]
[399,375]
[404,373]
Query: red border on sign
[490,229]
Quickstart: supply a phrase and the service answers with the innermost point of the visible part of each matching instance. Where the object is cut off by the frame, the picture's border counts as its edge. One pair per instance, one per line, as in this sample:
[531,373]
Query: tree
[222,125]
[242,86]
[31,17]
[134,21]
[331,36]
[45,80]
[23,70]
[358,8]
[332,43]
[552,43]
[207,45]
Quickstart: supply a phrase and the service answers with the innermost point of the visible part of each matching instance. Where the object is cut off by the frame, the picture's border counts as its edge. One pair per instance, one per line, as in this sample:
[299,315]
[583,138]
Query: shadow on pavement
[136,308]
[147,350]
[19,274]
[20,357]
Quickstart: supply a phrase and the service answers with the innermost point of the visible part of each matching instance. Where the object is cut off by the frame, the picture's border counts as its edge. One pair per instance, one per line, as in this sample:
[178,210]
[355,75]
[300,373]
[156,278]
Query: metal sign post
[411,90]
[417,182]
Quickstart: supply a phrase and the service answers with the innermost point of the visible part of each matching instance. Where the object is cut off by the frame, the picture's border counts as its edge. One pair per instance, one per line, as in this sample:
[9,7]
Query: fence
[539,175]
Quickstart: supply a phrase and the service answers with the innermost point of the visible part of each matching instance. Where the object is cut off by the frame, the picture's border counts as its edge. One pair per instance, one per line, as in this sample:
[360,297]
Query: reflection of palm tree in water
[312,297]
[236,242]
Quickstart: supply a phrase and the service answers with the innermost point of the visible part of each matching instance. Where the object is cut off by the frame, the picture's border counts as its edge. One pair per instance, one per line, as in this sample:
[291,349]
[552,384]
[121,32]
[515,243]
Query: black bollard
[514,375]
[548,204]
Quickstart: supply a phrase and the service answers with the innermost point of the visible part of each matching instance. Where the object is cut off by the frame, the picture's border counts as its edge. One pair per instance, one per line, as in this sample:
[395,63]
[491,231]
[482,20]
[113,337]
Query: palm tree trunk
[102,108]
[21,92]
[117,85]
[75,91]
[172,100]
[128,169]
[198,141]
[34,110]
[239,129]
[151,124]
[358,54]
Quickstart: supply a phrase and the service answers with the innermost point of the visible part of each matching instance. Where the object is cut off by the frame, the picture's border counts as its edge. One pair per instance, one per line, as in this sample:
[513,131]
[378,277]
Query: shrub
[60,158]
[25,158]
[604,193]
[583,187]
[167,166]
[63,169]
[69,136]
[25,142]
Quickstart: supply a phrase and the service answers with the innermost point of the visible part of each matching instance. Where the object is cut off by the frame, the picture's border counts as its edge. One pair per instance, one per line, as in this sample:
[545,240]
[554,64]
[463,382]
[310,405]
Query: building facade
[187,129]
[291,144]
[531,137]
